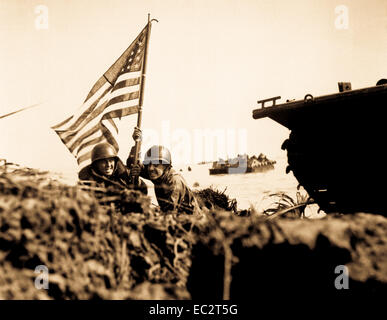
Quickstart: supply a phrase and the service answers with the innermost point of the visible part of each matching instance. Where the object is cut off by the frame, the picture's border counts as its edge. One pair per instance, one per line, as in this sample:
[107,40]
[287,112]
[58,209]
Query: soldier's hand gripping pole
[135,171]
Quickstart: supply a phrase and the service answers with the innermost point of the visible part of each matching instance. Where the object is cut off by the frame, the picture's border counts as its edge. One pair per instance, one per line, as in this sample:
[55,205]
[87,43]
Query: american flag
[116,94]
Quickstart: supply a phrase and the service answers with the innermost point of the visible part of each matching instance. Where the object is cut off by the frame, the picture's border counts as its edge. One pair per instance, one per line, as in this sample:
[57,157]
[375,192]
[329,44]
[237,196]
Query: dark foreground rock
[285,257]
[92,250]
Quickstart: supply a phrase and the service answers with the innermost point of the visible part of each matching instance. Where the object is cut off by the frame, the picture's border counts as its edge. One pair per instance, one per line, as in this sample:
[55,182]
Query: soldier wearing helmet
[107,169]
[171,190]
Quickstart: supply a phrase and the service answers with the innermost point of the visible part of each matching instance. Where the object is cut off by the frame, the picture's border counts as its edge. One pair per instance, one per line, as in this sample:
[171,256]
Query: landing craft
[242,164]
[335,145]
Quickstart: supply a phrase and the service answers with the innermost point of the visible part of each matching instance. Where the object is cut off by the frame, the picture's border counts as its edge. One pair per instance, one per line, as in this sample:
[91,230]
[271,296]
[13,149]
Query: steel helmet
[158,155]
[103,151]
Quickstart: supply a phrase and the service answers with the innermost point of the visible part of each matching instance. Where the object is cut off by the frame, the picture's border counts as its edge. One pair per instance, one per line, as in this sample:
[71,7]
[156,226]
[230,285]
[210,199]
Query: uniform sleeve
[144,173]
[85,173]
[176,192]
[130,161]
[142,187]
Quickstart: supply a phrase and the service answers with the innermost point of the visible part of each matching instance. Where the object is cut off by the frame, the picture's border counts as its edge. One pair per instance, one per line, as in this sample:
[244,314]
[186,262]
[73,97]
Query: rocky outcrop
[93,250]
[90,250]
[286,256]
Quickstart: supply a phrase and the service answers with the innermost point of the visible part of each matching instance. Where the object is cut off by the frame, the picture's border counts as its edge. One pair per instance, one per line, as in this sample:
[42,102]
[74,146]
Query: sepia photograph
[222,151]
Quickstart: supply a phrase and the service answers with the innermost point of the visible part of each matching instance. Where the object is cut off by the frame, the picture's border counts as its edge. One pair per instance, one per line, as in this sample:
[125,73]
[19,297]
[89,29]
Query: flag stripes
[115,94]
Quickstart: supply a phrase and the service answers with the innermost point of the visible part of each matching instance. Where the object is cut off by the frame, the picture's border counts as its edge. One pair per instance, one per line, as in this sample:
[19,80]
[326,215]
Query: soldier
[172,192]
[108,170]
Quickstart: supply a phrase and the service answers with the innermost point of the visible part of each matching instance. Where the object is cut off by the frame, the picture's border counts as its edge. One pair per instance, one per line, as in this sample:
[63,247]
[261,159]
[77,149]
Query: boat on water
[242,164]
[335,146]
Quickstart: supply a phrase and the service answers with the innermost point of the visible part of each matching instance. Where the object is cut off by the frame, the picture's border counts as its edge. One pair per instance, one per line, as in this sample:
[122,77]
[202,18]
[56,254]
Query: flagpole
[141,98]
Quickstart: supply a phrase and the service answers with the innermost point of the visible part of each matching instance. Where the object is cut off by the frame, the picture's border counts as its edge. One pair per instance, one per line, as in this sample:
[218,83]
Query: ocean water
[250,190]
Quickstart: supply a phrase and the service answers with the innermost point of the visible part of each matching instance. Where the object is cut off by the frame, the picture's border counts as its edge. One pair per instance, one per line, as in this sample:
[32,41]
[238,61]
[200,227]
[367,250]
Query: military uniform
[172,191]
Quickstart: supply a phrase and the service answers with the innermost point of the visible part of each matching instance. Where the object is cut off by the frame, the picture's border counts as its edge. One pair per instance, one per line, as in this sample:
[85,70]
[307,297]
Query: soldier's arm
[177,192]
[130,159]
[143,187]
[140,170]
[168,198]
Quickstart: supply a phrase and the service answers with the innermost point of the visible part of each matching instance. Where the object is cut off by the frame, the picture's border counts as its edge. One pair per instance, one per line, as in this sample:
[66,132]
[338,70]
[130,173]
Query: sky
[208,64]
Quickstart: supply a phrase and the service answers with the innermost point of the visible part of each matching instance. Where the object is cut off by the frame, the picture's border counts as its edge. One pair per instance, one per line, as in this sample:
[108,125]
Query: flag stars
[134,57]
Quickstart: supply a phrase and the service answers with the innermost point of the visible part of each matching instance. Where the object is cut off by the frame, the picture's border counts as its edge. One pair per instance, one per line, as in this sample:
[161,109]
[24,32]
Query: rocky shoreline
[93,251]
